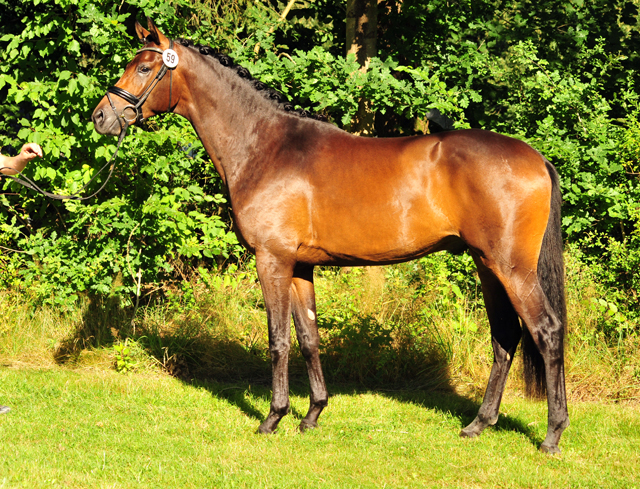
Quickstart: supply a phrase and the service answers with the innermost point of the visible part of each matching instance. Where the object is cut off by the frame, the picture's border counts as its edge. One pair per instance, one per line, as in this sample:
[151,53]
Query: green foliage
[614,322]
[163,205]
[560,76]
[124,361]
[386,326]
[556,75]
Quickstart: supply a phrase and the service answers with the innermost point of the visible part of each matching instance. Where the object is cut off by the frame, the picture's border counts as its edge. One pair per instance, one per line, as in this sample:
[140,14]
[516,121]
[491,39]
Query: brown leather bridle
[136,102]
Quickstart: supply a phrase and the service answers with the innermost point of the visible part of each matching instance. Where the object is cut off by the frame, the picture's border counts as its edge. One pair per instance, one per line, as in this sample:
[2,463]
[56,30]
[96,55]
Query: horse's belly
[375,236]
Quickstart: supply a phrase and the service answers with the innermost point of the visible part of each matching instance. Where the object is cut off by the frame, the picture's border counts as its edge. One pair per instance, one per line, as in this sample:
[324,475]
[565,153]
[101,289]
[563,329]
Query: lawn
[100,429]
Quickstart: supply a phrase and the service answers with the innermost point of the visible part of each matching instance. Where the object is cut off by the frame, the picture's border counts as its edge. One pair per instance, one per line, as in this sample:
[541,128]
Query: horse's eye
[144,69]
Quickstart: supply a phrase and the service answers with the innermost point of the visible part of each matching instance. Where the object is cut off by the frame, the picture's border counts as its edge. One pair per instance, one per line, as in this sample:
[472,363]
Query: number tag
[170,58]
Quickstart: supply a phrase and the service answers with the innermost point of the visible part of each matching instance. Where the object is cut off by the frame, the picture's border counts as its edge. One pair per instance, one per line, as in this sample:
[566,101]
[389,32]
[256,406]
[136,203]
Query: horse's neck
[231,118]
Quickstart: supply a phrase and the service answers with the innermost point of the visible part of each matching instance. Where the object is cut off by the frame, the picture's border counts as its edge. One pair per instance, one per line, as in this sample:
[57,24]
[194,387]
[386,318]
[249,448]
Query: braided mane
[277,98]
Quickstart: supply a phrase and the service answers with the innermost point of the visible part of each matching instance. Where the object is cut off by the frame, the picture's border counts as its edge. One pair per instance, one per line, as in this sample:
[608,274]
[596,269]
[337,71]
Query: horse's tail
[551,278]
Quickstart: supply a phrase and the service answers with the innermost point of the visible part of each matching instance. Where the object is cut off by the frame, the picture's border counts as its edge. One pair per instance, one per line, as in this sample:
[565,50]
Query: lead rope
[27,182]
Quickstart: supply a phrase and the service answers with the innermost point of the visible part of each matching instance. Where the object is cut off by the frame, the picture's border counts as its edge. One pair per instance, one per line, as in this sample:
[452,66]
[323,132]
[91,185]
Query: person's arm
[10,165]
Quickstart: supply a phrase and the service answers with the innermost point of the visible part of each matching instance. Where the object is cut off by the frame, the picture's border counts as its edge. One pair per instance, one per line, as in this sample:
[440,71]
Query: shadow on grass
[463,409]
[229,370]
[244,394]
[103,318]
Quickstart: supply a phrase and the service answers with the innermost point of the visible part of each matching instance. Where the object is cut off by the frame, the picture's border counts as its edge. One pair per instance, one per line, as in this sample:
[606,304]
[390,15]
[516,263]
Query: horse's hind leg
[505,335]
[530,302]
[304,316]
[548,334]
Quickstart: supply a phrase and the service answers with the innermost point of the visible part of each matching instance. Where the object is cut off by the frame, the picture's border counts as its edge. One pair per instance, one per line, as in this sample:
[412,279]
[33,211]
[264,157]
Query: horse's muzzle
[105,121]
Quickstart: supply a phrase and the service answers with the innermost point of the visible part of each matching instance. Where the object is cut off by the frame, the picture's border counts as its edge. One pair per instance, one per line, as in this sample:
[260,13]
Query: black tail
[551,278]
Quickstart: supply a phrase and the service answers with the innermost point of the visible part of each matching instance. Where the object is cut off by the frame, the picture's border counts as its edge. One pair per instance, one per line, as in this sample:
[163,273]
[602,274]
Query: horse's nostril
[98,117]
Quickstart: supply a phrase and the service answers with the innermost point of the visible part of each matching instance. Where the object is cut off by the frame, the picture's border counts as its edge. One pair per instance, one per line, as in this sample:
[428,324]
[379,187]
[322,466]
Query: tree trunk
[362,28]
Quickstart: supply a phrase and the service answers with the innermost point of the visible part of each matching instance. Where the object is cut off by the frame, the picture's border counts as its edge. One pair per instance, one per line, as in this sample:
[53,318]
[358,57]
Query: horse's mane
[275,97]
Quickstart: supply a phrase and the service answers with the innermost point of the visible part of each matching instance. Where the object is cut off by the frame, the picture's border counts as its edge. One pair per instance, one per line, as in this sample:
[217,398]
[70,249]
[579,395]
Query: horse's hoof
[550,449]
[473,430]
[307,425]
[4,409]
[468,433]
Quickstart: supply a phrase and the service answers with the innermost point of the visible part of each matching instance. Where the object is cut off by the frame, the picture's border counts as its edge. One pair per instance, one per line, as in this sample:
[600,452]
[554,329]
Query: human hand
[15,164]
[30,151]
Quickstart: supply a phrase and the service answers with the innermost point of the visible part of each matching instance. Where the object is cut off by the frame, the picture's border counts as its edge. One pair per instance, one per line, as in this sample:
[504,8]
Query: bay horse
[304,193]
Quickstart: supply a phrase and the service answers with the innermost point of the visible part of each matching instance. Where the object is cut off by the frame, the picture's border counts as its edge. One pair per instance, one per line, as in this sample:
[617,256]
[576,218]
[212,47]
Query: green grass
[75,422]
[99,429]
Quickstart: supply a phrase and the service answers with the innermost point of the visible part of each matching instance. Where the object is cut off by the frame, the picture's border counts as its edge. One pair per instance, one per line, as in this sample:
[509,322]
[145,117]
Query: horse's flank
[359,201]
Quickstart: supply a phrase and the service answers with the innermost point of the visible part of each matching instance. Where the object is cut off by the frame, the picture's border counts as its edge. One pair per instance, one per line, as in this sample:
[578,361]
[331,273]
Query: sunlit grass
[75,422]
[102,429]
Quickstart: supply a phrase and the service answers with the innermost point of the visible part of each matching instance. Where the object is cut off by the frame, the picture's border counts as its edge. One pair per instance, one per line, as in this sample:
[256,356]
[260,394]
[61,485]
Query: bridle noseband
[170,61]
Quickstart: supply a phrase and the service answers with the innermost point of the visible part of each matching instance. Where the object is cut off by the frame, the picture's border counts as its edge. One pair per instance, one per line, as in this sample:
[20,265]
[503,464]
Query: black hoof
[469,434]
[307,425]
[551,450]
[474,429]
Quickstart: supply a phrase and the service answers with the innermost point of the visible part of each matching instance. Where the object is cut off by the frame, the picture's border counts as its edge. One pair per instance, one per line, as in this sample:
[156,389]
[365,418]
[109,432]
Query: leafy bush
[163,204]
[560,76]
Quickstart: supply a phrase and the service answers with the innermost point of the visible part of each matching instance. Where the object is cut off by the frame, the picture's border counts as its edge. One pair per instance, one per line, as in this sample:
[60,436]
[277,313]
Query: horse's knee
[309,349]
[280,352]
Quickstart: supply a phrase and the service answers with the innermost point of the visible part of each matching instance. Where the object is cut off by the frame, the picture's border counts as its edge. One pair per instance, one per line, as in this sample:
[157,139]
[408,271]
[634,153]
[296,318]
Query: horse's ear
[154,34]
[141,32]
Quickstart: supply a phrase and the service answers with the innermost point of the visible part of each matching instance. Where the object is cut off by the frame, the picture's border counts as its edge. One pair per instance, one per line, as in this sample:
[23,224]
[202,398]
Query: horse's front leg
[305,319]
[275,276]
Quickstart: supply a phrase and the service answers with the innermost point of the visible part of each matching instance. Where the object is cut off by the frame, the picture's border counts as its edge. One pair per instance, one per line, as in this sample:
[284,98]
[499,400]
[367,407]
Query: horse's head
[147,87]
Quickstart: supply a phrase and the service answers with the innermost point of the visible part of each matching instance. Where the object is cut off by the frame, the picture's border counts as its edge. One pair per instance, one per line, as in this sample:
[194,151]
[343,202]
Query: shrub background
[560,75]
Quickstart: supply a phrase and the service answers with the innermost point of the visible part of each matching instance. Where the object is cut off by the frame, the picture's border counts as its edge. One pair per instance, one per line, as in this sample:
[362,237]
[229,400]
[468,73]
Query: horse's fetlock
[488,420]
[280,410]
[323,402]
[562,424]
